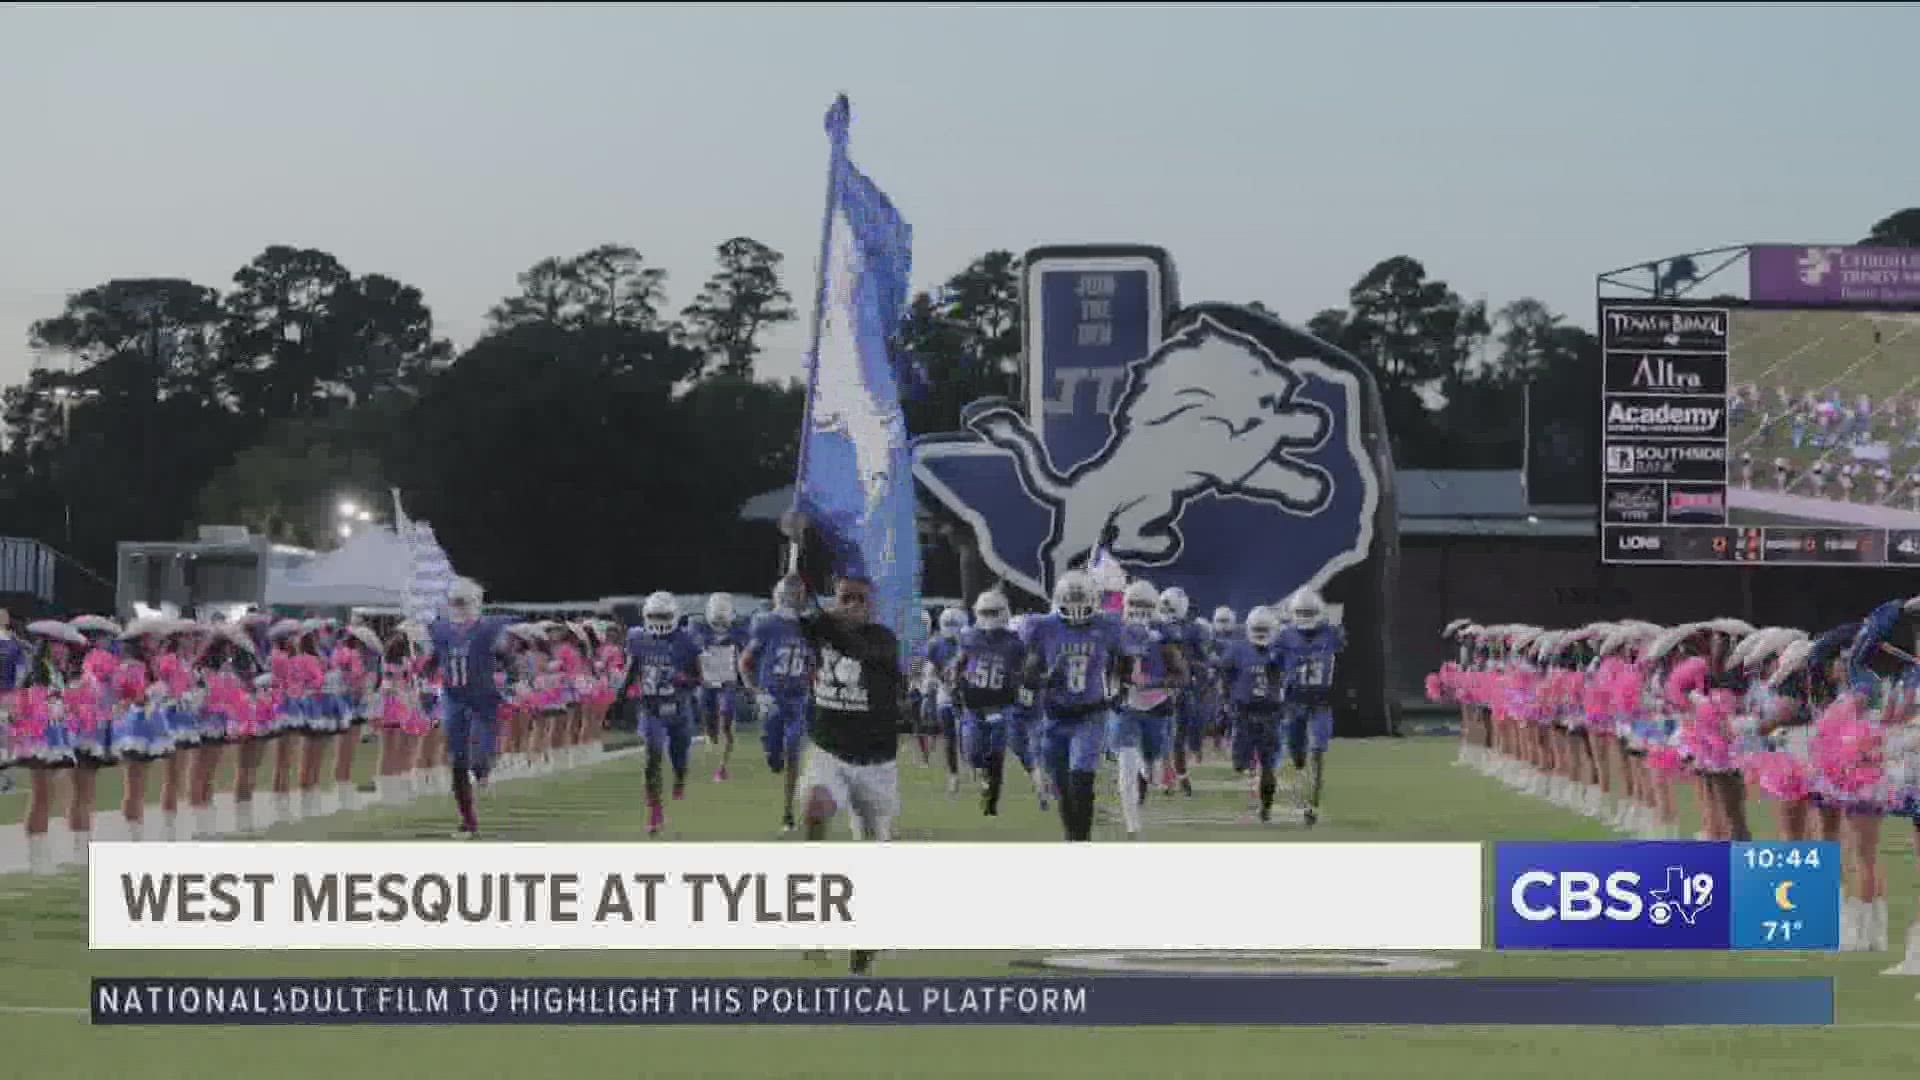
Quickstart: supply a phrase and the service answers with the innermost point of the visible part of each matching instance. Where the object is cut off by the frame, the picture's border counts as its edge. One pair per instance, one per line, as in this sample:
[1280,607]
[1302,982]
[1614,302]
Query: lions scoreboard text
[1667,895]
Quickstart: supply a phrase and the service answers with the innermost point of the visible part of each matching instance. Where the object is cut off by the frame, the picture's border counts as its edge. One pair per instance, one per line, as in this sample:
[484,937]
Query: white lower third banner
[785,896]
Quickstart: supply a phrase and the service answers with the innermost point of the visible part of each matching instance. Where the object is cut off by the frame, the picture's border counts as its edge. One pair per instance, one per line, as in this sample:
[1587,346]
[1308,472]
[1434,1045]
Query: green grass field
[1378,790]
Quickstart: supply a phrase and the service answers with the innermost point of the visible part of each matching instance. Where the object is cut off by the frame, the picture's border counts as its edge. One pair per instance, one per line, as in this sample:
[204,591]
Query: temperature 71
[1782,930]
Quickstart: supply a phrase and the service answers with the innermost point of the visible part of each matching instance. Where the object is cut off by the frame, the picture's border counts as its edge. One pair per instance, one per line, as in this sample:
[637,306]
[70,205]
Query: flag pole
[838,119]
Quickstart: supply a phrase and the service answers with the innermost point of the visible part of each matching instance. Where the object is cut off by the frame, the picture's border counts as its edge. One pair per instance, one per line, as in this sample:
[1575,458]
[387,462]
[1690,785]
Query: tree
[965,341]
[280,332]
[611,285]
[1413,334]
[1527,329]
[549,473]
[384,337]
[1898,229]
[148,356]
[739,301]
[543,298]
[304,336]
[285,487]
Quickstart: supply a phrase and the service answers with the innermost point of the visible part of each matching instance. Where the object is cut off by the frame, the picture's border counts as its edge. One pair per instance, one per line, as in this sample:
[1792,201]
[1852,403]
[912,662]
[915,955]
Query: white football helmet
[1073,598]
[660,614]
[952,621]
[1262,625]
[464,599]
[1173,604]
[1143,604]
[990,611]
[789,596]
[1224,622]
[1307,610]
[720,610]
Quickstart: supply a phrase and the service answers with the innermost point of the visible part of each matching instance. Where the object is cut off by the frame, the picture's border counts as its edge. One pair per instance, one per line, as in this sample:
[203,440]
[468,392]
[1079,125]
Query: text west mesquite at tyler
[473,898]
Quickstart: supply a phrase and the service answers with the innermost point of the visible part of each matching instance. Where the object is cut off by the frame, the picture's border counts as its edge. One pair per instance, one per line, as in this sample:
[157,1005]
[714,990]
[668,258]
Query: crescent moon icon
[1781,895]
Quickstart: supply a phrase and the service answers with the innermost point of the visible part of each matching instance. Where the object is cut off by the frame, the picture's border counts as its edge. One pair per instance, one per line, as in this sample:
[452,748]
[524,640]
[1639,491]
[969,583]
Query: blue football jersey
[1076,660]
[782,658]
[469,658]
[1310,656]
[941,653]
[988,667]
[1252,675]
[654,661]
[720,650]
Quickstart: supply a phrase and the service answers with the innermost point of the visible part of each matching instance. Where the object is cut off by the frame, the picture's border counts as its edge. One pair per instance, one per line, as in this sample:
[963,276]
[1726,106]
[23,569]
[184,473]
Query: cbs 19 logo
[1583,896]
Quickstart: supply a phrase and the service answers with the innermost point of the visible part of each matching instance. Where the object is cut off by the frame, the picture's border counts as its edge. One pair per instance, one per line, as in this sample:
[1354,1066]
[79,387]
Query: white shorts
[870,791]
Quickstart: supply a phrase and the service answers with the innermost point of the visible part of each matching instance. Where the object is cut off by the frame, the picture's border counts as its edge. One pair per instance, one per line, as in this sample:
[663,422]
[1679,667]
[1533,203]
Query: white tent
[370,570]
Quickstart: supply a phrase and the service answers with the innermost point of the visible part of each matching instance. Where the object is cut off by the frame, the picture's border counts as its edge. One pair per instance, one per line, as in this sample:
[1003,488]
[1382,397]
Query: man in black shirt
[855,726]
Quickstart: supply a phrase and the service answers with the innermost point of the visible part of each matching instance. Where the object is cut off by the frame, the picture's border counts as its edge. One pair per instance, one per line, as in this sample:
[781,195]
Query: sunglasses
[851,597]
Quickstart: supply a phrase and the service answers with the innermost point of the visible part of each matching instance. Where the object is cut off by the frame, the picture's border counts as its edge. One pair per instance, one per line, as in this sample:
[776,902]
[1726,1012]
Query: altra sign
[1652,373]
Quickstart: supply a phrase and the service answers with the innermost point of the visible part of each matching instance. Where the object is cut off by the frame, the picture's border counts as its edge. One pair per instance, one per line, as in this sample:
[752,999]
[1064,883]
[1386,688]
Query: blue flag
[856,467]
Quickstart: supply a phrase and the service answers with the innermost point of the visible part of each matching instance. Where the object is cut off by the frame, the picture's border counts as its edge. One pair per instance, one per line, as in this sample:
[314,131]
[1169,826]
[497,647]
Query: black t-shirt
[856,690]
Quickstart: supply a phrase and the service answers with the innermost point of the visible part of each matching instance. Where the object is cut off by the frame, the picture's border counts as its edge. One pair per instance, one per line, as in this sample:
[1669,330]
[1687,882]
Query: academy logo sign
[1677,416]
[1212,448]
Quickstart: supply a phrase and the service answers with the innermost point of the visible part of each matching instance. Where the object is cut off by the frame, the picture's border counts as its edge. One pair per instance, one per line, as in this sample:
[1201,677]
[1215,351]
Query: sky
[1276,152]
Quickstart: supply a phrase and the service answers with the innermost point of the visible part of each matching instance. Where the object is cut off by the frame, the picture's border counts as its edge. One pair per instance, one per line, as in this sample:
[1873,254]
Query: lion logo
[1211,412]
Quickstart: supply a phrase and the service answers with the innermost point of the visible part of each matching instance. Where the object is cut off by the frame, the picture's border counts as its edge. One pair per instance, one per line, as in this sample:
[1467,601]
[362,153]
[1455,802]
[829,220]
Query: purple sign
[1833,275]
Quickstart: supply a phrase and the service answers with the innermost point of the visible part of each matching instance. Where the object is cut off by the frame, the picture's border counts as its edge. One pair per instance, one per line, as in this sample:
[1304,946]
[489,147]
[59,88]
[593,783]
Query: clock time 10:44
[1766,858]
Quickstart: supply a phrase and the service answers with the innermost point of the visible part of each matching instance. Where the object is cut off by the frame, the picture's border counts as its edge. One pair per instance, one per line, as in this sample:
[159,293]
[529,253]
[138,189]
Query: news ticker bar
[1559,895]
[1799,545]
[1117,1000]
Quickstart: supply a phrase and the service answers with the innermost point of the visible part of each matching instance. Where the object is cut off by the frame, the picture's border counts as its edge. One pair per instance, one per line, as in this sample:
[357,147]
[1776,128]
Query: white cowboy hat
[237,634]
[98,624]
[152,625]
[282,629]
[1790,661]
[366,637]
[57,630]
[1665,641]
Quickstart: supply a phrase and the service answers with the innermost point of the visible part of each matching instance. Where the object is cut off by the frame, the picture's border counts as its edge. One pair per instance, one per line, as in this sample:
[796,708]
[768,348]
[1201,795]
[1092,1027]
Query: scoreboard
[1665,452]
[1804,545]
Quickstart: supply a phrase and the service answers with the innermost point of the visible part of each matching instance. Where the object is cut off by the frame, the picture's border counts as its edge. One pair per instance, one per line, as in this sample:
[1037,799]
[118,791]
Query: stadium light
[348,508]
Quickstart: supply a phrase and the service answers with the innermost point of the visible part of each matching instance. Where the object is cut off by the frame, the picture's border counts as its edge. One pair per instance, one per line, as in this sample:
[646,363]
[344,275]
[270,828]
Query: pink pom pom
[1708,737]
[306,674]
[1779,775]
[1847,749]
[100,665]
[1666,761]
[130,681]
[170,670]
[1687,676]
[32,712]
[1435,691]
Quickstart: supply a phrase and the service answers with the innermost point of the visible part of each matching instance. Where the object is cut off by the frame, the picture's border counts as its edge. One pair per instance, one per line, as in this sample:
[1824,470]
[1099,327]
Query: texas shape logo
[1210,412]
[1234,465]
